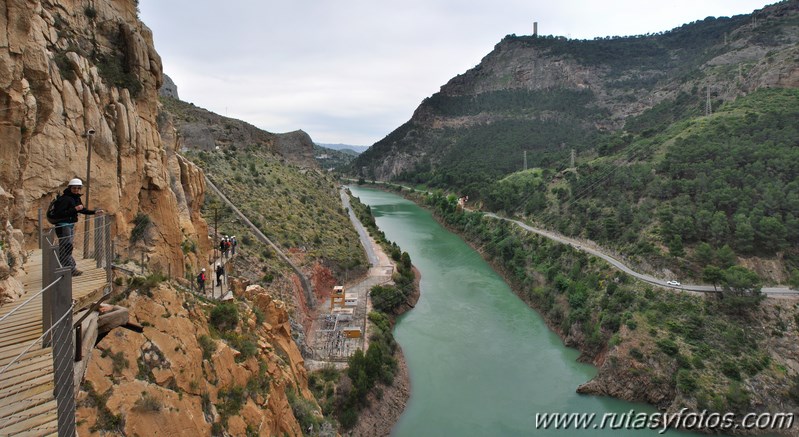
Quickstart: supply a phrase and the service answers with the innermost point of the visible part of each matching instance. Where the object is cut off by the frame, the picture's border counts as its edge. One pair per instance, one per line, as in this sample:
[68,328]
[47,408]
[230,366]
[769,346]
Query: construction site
[341,325]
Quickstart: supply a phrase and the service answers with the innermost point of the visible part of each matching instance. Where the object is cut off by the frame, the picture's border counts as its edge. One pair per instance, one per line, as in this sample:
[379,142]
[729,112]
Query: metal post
[49,264]
[41,228]
[79,342]
[63,363]
[216,233]
[109,248]
[89,134]
[99,228]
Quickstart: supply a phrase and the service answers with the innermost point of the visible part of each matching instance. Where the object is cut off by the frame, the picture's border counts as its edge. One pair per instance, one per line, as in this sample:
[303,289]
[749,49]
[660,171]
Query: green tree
[713,275]
[704,254]
[744,234]
[740,291]
[675,246]
[741,281]
[771,232]
[793,280]
[726,257]
[719,228]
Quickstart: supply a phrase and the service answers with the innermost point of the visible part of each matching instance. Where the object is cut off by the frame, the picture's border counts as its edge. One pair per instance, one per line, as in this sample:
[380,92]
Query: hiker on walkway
[65,212]
[233,244]
[220,271]
[201,280]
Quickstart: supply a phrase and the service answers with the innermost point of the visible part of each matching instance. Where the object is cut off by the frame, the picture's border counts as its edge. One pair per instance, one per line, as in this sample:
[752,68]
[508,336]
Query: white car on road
[673,283]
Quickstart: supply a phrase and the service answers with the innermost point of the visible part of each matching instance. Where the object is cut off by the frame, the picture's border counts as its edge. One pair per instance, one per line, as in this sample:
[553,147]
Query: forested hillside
[697,193]
[684,141]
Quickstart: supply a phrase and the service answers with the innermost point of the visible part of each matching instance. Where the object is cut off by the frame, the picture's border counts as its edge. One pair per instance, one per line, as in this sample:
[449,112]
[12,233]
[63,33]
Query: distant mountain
[357,149]
[203,130]
[333,159]
[549,95]
[677,149]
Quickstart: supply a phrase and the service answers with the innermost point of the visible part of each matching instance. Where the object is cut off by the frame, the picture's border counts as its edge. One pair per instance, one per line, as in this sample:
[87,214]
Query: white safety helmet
[203,269]
[75,183]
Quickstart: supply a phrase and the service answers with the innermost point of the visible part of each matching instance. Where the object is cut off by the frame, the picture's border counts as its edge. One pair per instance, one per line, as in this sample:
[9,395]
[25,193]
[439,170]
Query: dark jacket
[64,208]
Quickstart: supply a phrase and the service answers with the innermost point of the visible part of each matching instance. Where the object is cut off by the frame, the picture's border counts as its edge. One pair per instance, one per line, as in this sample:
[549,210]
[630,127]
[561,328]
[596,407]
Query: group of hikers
[227,247]
[201,277]
[63,213]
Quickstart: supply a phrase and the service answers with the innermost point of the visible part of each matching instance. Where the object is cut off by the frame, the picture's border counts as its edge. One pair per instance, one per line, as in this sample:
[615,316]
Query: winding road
[770,291]
[779,291]
[364,236]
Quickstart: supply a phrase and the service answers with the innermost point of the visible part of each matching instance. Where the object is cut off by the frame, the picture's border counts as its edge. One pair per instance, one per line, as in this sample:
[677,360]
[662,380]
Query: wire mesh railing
[36,379]
[90,239]
[37,355]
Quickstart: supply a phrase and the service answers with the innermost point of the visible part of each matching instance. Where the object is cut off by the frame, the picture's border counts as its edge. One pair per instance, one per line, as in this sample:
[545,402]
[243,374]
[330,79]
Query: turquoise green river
[481,362]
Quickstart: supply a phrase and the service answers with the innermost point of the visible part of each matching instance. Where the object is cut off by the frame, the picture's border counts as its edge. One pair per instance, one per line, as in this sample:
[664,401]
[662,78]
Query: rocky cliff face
[175,378]
[69,68]
[168,88]
[75,77]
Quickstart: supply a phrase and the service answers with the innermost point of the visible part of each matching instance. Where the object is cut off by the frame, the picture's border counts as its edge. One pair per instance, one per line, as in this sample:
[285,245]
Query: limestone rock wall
[175,378]
[68,68]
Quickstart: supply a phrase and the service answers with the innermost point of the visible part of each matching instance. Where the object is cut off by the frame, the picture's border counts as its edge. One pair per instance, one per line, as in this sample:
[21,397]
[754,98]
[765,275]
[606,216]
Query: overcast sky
[351,71]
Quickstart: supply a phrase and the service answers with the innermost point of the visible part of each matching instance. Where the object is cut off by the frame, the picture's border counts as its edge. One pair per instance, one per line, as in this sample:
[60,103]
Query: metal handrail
[40,339]
[30,299]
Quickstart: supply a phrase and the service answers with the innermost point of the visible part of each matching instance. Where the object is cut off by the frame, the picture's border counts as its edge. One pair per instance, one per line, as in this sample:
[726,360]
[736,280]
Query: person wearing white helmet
[65,211]
[201,280]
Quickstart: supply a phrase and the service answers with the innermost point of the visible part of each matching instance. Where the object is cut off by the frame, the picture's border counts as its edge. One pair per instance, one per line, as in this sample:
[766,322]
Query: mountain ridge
[610,80]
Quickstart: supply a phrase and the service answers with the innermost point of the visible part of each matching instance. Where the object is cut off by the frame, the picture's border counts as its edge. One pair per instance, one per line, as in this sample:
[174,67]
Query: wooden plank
[33,315]
[34,376]
[8,354]
[21,395]
[31,307]
[26,389]
[23,336]
[35,396]
[38,362]
[38,410]
[35,425]
[16,325]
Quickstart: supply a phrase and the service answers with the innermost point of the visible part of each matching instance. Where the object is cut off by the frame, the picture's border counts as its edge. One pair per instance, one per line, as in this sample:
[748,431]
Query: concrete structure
[338,297]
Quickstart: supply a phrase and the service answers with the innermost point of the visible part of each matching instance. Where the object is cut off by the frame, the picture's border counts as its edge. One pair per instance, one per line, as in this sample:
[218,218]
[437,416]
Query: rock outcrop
[176,378]
[168,88]
[79,84]
[200,129]
[75,78]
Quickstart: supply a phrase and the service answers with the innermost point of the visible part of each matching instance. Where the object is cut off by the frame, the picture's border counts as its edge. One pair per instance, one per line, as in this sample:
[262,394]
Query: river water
[481,362]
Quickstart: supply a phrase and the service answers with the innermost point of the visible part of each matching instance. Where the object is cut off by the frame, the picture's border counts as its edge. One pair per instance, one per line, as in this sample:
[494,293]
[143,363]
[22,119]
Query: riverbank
[659,347]
[668,349]
[385,403]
